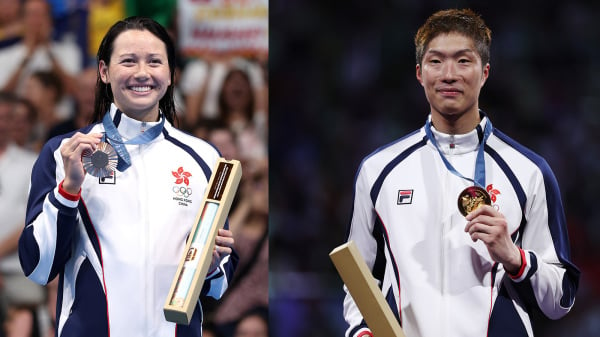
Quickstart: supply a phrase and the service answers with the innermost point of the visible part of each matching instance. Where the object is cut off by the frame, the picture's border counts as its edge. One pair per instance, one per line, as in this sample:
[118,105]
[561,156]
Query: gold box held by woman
[197,256]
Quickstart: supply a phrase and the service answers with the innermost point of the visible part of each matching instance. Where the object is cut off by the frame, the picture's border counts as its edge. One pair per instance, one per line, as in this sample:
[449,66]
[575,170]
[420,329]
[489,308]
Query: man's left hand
[488,225]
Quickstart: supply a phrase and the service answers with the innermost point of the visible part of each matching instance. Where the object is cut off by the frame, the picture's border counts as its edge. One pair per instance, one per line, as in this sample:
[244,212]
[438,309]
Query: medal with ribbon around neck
[111,153]
[475,196]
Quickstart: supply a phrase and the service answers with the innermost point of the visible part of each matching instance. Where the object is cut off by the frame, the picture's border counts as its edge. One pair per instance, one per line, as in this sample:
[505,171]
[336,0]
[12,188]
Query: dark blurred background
[344,84]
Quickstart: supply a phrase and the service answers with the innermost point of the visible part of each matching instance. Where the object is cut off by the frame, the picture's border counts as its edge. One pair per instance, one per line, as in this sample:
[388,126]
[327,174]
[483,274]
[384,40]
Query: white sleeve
[548,272]
[360,231]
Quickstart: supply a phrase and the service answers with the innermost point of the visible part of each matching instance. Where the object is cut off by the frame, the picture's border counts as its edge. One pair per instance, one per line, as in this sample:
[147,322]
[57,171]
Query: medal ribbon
[479,161]
[112,134]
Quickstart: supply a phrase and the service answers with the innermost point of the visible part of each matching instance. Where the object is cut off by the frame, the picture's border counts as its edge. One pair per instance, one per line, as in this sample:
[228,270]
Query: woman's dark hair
[103,91]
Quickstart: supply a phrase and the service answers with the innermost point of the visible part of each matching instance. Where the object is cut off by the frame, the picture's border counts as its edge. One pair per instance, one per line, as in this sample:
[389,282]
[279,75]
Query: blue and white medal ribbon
[473,196]
[115,139]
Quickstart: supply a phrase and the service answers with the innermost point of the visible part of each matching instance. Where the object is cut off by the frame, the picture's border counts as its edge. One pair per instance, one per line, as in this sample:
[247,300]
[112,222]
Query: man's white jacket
[438,282]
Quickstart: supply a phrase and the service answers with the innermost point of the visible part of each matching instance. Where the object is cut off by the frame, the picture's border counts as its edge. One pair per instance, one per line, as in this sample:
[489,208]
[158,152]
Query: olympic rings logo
[182,191]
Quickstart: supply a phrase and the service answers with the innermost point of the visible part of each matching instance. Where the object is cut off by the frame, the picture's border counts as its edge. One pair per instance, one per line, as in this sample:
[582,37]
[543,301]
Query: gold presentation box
[193,266]
[364,290]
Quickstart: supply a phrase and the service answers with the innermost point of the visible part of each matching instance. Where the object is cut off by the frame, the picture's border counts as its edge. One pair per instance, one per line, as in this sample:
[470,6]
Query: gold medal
[471,198]
[102,162]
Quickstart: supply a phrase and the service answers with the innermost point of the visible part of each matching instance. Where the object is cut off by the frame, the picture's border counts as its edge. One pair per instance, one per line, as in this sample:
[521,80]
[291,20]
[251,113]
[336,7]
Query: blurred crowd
[47,85]
[346,86]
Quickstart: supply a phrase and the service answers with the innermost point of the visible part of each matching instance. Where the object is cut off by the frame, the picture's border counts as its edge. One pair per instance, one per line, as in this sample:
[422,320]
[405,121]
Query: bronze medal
[102,162]
[471,198]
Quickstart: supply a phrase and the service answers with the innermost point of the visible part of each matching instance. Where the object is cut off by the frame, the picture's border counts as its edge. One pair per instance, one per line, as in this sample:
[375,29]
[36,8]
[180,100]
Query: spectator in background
[84,105]
[253,323]
[49,328]
[15,168]
[11,24]
[236,100]
[238,109]
[224,139]
[37,52]
[69,19]
[221,135]
[202,82]
[204,126]
[198,81]
[24,119]
[22,321]
[44,90]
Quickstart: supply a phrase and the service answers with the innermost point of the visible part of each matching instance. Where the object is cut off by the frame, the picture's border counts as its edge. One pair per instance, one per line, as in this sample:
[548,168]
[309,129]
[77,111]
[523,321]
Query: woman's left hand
[223,247]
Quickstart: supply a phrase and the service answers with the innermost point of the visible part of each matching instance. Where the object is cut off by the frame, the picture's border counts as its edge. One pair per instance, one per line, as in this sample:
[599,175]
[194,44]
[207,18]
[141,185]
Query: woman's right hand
[71,152]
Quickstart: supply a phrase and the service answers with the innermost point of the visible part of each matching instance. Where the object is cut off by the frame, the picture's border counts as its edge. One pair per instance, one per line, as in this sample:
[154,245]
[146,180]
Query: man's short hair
[462,21]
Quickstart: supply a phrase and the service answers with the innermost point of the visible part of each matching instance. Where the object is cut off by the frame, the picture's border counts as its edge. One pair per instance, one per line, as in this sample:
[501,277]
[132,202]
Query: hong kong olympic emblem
[181,188]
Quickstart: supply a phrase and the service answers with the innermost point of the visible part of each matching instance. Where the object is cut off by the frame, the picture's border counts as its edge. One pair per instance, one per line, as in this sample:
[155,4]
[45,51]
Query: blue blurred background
[344,84]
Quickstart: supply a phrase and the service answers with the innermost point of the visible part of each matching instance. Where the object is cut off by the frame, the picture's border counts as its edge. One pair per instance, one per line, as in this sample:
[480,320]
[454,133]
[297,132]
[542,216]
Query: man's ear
[485,74]
[419,73]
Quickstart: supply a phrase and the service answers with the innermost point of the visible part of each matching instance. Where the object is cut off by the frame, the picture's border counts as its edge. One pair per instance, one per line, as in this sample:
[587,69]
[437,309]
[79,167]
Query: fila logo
[110,179]
[405,197]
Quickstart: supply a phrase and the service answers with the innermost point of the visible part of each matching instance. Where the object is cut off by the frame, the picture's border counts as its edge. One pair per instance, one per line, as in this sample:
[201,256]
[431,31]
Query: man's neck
[455,124]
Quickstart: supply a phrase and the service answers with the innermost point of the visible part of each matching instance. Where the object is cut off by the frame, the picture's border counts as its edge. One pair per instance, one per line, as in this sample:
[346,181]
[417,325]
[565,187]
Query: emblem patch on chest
[181,189]
[492,191]
[405,197]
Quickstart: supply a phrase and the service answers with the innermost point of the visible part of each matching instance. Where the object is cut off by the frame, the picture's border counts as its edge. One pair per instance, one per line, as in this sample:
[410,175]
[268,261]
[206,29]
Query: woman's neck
[143,116]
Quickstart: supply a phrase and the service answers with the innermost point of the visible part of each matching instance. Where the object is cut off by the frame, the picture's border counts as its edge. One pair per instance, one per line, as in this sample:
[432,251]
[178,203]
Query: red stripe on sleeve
[523,265]
[365,333]
[67,195]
